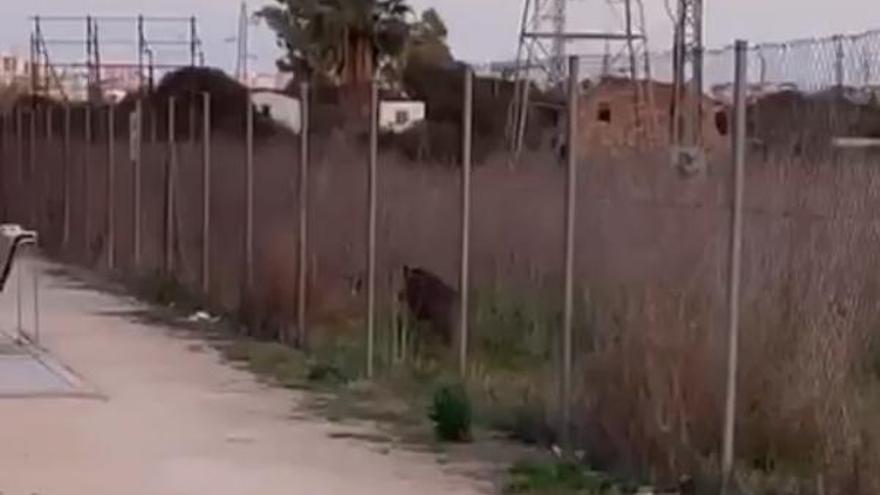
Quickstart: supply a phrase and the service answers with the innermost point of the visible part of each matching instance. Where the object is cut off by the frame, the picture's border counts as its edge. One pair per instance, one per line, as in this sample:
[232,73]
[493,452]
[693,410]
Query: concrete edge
[80,387]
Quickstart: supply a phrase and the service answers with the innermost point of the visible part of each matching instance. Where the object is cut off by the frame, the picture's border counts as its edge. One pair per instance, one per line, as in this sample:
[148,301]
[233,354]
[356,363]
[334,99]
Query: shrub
[326,373]
[451,413]
[558,477]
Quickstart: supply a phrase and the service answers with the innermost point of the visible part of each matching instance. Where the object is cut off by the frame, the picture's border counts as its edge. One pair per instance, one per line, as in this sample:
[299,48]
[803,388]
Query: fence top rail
[796,42]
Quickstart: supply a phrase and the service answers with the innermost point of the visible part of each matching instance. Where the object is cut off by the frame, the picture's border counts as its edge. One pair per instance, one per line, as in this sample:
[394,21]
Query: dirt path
[176,420]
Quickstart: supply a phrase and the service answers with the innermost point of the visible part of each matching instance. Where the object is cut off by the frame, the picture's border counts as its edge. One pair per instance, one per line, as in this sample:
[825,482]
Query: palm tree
[338,41]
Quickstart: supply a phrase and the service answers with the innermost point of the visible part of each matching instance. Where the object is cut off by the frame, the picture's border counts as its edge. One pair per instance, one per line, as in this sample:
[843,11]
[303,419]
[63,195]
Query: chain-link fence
[600,279]
[808,65]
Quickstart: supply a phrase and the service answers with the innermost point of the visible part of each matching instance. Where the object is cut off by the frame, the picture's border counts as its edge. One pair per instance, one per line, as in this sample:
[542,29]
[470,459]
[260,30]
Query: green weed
[282,363]
[511,333]
[559,478]
[451,414]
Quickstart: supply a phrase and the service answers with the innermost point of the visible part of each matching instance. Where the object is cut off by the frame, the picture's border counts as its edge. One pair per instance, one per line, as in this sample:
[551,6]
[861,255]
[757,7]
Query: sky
[480,30]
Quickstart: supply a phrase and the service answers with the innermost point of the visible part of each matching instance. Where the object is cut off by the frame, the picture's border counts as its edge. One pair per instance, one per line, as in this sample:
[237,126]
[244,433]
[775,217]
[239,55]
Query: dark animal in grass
[431,302]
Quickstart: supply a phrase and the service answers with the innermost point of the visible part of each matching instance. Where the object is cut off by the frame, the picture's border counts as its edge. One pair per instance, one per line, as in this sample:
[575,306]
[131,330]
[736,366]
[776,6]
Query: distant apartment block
[14,70]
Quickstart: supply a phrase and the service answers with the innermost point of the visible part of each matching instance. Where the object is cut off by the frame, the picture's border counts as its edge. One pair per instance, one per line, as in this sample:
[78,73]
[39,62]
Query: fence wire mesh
[652,254]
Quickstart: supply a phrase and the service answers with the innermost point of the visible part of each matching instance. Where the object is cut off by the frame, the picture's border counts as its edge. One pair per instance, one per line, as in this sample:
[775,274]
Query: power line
[45,61]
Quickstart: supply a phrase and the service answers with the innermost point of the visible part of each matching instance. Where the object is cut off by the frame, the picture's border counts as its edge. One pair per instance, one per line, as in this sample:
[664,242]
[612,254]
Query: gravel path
[174,419]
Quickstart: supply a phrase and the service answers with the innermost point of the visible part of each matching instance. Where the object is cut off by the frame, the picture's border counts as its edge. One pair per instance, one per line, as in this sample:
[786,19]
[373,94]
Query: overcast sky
[480,30]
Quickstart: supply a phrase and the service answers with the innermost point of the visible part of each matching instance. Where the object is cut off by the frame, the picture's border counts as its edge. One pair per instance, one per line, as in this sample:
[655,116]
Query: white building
[14,70]
[399,115]
[394,115]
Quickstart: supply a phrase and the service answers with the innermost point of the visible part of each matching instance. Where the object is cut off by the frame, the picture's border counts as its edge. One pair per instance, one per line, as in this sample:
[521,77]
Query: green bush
[451,413]
[326,373]
[558,477]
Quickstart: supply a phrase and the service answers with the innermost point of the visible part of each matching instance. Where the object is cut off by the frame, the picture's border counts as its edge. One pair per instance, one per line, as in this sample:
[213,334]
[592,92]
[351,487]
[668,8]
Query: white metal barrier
[17,242]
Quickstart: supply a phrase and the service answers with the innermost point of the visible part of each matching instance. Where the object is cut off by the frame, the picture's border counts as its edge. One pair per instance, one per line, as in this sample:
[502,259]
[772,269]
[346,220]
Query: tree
[338,41]
[428,41]
[425,48]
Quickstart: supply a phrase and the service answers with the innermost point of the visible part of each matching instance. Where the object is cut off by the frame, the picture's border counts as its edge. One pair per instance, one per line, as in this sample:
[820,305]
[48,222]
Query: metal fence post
[136,141]
[35,273]
[154,124]
[65,163]
[33,192]
[839,58]
[522,121]
[8,131]
[206,192]
[5,203]
[111,186]
[46,178]
[18,301]
[171,172]
[3,130]
[570,204]
[249,197]
[464,274]
[371,226]
[50,131]
[86,177]
[19,156]
[302,248]
[739,157]
[3,189]
[193,134]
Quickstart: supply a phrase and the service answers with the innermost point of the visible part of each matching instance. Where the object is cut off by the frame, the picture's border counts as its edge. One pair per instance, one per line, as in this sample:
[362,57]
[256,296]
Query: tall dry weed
[651,248]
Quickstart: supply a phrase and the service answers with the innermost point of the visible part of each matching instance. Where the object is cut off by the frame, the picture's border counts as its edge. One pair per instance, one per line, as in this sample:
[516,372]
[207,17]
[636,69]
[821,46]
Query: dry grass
[651,262]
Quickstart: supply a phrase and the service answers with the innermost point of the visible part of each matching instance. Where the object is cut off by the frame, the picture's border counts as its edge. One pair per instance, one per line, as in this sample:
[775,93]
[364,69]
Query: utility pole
[241,61]
[179,34]
[36,59]
[93,60]
[543,32]
[193,42]
[89,60]
[557,18]
[545,43]
[687,101]
[141,42]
